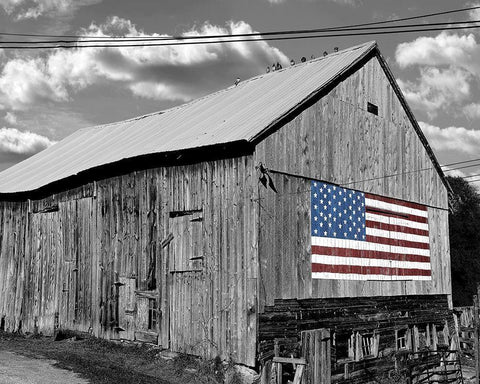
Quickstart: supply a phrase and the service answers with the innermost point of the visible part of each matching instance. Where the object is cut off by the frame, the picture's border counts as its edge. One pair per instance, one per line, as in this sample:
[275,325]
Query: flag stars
[341,210]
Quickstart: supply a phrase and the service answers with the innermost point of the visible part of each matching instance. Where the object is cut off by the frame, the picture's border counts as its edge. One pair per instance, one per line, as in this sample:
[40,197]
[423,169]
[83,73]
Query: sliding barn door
[188,322]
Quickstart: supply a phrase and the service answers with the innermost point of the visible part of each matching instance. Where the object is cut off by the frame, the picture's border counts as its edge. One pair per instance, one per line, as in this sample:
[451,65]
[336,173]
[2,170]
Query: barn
[214,228]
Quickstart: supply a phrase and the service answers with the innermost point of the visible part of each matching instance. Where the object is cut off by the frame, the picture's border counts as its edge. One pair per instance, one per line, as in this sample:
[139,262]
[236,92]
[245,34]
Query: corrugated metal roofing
[237,113]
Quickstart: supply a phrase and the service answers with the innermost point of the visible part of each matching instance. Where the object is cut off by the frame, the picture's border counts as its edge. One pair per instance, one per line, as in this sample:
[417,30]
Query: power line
[63,46]
[466,166]
[267,33]
[102,39]
[469,176]
[460,162]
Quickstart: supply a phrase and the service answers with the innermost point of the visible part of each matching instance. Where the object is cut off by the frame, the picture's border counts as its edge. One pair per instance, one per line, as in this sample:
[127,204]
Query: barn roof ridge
[371,44]
[242,113]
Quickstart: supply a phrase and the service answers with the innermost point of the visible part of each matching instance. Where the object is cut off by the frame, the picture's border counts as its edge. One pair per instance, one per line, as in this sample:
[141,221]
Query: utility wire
[101,39]
[460,162]
[80,45]
[469,176]
[267,33]
[466,166]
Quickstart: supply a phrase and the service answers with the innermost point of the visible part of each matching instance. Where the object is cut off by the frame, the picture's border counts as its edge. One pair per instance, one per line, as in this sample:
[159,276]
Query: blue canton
[337,212]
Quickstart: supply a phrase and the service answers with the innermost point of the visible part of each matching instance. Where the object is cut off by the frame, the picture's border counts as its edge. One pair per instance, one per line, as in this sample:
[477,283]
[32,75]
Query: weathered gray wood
[337,140]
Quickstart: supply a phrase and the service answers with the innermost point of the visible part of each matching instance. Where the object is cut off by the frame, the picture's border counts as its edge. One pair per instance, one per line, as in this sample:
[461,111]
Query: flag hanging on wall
[360,236]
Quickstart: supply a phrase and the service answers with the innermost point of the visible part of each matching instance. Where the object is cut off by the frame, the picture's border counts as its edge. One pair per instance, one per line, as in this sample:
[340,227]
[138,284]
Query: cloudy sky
[46,95]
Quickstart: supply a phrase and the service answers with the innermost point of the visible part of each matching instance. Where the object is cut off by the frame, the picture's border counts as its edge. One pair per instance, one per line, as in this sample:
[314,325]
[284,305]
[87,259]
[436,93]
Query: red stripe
[397,243]
[360,270]
[395,228]
[405,216]
[347,252]
[397,202]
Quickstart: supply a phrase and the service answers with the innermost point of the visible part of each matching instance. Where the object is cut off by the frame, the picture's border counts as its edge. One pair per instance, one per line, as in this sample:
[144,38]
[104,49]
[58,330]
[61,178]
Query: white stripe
[354,276]
[395,221]
[366,262]
[366,246]
[397,235]
[394,207]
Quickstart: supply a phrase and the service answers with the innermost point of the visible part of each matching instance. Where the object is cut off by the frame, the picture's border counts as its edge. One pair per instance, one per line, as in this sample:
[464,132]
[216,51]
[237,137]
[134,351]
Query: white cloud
[472,111]
[444,49]
[10,118]
[474,14]
[176,72]
[32,9]
[437,88]
[457,139]
[24,81]
[449,67]
[24,143]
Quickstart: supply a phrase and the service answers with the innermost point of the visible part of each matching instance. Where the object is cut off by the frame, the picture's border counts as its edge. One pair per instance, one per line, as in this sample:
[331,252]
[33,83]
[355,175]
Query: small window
[152,314]
[402,338]
[372,108]
[368,344]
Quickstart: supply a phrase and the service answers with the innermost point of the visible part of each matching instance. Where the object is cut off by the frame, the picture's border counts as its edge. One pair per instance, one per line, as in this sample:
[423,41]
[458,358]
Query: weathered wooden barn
[195,228]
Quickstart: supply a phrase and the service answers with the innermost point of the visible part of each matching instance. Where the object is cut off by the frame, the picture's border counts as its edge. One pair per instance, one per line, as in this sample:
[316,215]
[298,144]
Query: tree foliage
[464,223]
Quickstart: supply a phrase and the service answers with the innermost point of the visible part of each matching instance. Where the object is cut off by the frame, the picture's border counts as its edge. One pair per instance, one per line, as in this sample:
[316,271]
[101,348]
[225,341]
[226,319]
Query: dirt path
[18,369]
[95,361]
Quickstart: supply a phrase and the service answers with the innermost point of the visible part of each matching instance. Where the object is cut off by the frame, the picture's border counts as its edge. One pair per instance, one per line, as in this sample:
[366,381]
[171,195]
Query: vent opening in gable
[372,108]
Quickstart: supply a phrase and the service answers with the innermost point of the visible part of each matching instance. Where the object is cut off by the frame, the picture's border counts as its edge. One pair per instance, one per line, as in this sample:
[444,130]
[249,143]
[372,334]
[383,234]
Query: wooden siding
[338,140]
[425,320]
[93,259]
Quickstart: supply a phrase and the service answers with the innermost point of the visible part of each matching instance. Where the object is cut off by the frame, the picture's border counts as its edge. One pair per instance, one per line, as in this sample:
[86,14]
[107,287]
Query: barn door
[42,266]
[186,281]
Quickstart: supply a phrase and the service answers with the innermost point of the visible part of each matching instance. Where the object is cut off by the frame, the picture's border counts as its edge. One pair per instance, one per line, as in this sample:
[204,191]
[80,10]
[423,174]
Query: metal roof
[238,113]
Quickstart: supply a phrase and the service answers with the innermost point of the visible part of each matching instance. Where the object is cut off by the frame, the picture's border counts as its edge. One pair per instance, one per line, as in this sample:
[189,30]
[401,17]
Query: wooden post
[476,346]
[316,351]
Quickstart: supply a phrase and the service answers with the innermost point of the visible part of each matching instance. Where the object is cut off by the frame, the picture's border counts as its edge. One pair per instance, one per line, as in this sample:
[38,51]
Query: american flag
[361,236]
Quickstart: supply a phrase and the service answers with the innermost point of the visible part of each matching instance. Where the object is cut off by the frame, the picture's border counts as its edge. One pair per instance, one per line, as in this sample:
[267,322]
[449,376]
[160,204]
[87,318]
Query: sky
[47,94]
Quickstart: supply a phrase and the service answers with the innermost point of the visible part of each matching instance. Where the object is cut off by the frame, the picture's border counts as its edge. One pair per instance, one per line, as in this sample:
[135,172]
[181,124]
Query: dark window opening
[342,345]
[152,314]
[372,108]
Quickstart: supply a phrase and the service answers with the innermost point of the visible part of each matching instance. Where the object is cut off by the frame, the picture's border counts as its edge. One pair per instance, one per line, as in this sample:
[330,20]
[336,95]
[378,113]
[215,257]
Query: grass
[105,362]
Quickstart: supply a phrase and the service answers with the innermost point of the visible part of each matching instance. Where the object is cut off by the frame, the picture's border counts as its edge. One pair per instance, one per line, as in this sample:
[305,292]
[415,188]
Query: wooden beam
[289,360]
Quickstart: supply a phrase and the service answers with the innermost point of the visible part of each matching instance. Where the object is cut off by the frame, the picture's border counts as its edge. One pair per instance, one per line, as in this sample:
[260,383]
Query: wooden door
[188,322]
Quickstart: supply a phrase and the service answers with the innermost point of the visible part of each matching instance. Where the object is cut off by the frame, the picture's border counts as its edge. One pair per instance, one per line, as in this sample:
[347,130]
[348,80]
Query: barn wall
[337,140]
[178,241]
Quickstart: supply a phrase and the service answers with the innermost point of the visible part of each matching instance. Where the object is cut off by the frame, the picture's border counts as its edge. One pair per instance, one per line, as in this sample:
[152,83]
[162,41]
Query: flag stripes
[357,236]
